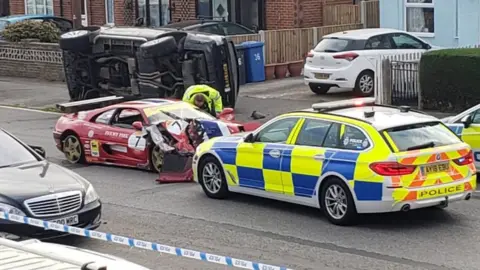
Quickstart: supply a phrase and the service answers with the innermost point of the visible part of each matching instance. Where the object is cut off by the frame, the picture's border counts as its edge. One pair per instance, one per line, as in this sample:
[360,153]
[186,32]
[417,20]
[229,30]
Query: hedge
[43,31]
[450,79]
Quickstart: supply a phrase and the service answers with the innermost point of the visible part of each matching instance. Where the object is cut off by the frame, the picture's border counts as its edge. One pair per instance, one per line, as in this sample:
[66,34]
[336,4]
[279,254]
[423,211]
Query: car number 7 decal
[137,141]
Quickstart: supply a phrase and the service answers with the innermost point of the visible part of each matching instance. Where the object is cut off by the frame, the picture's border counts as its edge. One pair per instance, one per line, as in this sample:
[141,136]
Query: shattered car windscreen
[156,114]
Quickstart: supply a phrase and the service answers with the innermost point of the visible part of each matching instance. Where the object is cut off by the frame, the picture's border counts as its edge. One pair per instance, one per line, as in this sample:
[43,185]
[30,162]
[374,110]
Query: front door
[84,13]
[258,163]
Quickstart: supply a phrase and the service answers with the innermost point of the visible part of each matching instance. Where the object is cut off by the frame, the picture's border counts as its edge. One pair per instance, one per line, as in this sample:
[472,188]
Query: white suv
[347,59]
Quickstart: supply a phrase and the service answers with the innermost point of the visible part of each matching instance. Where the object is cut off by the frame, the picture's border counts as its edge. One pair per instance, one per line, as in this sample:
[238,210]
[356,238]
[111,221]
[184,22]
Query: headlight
[91,195]
[11,209]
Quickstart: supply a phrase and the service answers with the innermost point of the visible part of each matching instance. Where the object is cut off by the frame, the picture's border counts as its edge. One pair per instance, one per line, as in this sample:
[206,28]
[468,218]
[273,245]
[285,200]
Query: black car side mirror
[40,150]
[249,138]
[467,121]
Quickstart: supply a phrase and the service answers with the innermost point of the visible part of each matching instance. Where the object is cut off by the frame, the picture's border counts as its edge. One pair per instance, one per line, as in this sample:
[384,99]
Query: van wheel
[318,88]
[365,84]
[337,202]
[78,40]
[212,178]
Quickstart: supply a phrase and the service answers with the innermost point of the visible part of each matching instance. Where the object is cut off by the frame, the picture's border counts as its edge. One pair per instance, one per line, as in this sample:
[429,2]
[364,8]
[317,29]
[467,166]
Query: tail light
[346,56]
[310,54]
[465,160]
[392,168]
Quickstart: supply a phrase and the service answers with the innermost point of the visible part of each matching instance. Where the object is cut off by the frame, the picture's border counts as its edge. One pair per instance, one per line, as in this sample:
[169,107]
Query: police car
[467,126]
[347,158]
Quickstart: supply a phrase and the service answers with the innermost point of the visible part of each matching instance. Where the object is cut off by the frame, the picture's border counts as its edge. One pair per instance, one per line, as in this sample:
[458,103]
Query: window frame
[45,9]
[392,36]
[304,125]
[407,5]
[388,36]
[106,13]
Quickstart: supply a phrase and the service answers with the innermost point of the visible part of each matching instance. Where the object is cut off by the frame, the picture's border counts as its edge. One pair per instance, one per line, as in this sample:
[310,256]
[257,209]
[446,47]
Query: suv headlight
[11,209]
[91,195]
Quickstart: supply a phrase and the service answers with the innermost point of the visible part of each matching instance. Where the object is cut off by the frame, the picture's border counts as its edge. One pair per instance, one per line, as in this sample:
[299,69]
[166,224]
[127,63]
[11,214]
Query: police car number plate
[436,168]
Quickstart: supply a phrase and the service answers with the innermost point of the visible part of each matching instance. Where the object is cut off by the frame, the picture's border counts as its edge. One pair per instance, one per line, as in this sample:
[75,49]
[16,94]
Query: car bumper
[194,168]
[58,141]
[391,205]
[343,78]
[89,217]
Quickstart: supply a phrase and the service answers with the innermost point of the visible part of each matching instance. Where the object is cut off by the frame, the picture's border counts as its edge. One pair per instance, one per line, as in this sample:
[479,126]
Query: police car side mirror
[467,121]
[249,138]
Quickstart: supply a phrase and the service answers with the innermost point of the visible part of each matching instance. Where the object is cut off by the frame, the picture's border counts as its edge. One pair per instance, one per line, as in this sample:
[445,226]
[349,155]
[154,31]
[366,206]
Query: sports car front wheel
[212,178]
[72,149]
[156,159]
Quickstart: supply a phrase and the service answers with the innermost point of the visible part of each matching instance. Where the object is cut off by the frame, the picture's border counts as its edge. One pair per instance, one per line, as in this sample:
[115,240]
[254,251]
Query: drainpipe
[61,8]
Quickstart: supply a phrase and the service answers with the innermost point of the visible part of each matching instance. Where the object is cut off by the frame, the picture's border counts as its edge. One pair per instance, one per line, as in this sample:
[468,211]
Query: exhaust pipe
[406,208]
[468,197]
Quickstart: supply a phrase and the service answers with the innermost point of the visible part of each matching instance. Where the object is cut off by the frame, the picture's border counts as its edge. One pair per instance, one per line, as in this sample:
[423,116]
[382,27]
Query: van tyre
[159,47]
[319,89]
[77,40]
[337,202]
[365,84]
[212,178]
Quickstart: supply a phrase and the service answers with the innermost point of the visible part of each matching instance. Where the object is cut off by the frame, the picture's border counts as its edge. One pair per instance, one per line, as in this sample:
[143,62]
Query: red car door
[120,143]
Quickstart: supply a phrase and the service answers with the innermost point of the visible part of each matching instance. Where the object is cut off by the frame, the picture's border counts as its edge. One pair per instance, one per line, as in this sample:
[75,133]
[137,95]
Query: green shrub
[450,79]
[44,31]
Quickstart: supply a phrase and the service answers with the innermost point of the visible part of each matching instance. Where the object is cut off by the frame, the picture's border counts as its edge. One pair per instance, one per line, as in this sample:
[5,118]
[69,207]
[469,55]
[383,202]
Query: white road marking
[28,110]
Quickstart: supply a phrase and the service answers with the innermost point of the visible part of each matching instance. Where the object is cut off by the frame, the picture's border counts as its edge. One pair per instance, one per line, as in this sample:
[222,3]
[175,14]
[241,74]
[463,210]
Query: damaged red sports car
[155,134]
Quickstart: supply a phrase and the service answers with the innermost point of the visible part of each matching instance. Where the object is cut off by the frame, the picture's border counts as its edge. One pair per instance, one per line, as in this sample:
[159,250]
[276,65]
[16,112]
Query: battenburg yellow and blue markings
[294,170]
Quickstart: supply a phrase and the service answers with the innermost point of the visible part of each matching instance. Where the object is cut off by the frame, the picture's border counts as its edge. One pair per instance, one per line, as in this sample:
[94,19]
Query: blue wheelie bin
[254,62]
[241,64]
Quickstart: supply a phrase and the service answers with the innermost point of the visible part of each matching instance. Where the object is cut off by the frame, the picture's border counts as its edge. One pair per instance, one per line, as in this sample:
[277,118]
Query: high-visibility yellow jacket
[212,96]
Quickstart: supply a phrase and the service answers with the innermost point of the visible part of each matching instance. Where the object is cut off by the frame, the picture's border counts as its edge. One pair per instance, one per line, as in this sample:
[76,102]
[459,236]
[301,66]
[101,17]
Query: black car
[32,186]
[221,28]
[137,63]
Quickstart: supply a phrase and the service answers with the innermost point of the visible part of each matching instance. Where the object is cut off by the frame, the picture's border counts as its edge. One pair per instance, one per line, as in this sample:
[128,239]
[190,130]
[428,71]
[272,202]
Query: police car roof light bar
[89,104]
[342,104]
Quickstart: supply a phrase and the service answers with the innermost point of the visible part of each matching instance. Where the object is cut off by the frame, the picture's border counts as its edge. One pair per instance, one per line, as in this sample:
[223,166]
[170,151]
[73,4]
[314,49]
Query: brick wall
[31,60]
[183,9]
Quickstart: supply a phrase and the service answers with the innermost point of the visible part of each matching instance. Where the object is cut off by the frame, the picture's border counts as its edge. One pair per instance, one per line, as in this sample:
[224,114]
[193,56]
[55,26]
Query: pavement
[246,227]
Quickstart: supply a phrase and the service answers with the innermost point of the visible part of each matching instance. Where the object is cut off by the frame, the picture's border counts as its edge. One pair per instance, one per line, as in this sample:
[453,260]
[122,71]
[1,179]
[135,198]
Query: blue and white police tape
[131,242]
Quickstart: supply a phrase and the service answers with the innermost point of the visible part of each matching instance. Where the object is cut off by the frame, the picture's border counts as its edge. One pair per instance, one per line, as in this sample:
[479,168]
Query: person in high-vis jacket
[204,97]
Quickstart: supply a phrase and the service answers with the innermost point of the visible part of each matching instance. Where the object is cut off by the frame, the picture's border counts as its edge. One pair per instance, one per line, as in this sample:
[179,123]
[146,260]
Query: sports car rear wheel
[156,159]
[73,150]
[212,178]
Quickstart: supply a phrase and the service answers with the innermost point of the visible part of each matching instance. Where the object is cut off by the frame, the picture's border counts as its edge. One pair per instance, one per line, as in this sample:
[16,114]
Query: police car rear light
[465,160]
[355,102]
[392,168]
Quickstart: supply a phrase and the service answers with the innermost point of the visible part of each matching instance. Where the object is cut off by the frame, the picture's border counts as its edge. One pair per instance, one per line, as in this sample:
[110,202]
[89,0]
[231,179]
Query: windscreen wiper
[422,146]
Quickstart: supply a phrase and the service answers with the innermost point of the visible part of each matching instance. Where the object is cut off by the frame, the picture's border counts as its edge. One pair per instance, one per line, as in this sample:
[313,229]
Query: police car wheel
[212,178]
[337,202]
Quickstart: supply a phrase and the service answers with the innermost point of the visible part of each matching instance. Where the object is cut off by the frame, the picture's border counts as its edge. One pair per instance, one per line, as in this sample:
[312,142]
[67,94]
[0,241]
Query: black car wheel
[212,178]
[337,202]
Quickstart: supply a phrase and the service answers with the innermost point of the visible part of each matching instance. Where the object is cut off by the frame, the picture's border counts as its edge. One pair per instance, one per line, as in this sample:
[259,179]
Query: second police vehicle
[347,158]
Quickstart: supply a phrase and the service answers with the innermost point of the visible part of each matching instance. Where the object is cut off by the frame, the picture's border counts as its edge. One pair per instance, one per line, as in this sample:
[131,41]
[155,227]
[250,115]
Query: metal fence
[405,84]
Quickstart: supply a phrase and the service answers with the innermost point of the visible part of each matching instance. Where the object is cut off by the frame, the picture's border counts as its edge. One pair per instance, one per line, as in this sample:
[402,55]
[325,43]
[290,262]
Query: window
[381,42]
[231,29]
[419,17]
[277,132]
[39,7]
[354,139]
[125,118]
[476,117]
[110,12]
[413,136]
[333,45]
[212,29]
[313,133]
[333,136]
[403,41]
[105,117]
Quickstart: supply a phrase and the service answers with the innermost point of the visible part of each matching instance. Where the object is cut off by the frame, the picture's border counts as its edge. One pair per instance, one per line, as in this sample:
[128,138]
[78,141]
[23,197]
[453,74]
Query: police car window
[278,131]
[313,132]
[105,117]
[354,139]
[332,139]
[414,136]
[476,117]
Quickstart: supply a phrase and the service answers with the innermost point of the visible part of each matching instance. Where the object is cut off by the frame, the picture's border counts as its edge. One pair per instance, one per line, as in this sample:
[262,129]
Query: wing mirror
[249,138]
[40,150]
[137,125]
[466,121]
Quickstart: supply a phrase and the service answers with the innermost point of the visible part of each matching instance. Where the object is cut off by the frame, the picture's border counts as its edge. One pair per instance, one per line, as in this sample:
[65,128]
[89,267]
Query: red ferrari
[121,134]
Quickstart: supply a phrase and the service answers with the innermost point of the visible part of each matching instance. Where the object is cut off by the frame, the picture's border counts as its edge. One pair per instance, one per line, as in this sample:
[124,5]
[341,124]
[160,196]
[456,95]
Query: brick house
[264,14]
